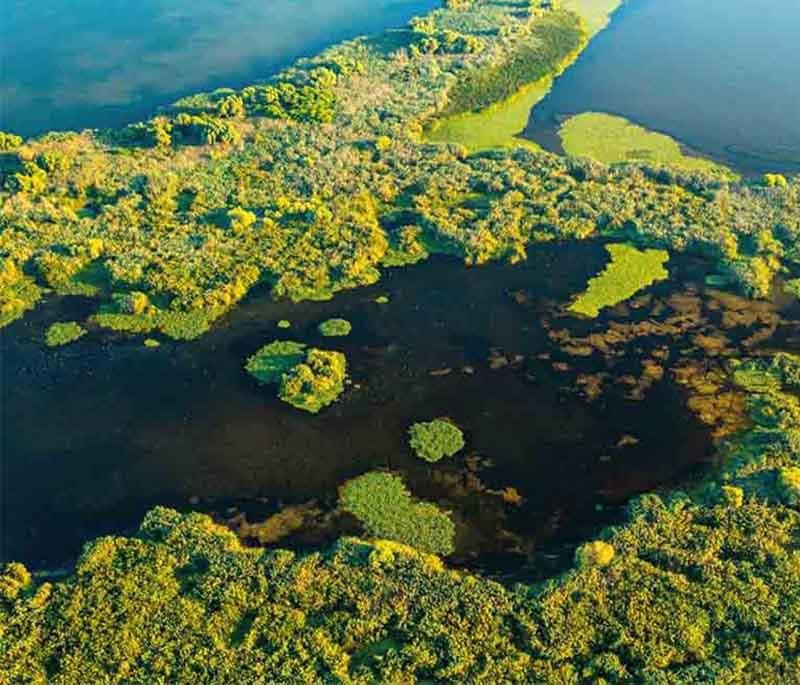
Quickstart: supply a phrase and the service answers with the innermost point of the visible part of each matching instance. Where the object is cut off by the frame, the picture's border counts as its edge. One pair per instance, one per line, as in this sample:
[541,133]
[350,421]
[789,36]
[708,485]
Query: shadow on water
[99,431]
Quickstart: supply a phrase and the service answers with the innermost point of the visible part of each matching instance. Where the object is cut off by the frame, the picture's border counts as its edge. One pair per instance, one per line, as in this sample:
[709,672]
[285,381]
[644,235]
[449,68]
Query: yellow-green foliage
[307,379]
[316,382]
[333,328]
[315,180]
[63,333]
[434,440]
[612,139]
[383,505]
[627,273]
[271,362]
[18,293]
[596,13]
[596,553]
[496,126]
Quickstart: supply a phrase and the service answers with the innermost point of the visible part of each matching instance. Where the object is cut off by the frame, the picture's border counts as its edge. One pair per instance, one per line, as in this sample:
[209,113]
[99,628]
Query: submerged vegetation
[307,379]
[629,271]
[694,588]
[435,439]
[384,506]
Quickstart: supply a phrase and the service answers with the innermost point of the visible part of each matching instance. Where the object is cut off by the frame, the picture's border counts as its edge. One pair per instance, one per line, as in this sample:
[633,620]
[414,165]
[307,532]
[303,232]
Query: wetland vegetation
[624,505]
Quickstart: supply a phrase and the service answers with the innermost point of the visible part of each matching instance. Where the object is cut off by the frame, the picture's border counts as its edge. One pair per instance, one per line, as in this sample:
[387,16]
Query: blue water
[723,76]
[74,64]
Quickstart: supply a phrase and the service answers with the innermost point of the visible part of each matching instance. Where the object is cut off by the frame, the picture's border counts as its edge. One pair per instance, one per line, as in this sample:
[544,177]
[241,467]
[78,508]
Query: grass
[596,13]
[386,510]
[612,139]
[629,271]
[435,439]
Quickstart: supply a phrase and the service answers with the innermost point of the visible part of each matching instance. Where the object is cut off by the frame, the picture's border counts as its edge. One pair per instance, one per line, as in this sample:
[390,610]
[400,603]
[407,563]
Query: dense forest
[312,183]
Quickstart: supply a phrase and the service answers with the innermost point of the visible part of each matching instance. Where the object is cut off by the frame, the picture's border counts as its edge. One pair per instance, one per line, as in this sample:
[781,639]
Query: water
[75,64]
[101,430]
[720,76]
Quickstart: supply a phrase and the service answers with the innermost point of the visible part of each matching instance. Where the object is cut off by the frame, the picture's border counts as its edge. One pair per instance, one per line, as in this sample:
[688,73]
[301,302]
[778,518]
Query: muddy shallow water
[99,431]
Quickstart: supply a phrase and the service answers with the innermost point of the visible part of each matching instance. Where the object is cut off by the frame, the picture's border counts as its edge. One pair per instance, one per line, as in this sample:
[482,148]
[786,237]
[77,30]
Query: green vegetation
[494,127]
[63,333]
[613,139]
[383,505]
[316,382]
[543,49]
[596,13]
[335,328]
[695,588]
[308,379]
[271,362]
[627,273]
[435,439]
[284,324]
[382,299]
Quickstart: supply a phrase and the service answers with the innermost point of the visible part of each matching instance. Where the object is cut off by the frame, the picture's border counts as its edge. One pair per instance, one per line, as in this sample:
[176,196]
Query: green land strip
[629,271]
[499,125]
[613,139]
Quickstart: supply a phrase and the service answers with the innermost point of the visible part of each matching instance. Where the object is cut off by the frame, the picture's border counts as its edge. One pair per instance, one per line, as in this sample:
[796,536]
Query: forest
[314,183]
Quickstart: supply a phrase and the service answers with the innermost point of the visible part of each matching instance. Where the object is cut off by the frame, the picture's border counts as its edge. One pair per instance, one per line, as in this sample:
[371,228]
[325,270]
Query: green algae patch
[384,506]
[435,440]
[612,140]
[307,379]
[335,328]
[629,271]
[63,333]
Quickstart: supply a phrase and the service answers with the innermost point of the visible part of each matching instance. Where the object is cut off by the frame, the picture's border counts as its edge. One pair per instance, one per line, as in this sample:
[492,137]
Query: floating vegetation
[63,333]
[308,379]
[382,299]
[151,342]
[284,323]
[612,139]
[334,328]
[629,271]
[386,509]
[271,362]
[435,439]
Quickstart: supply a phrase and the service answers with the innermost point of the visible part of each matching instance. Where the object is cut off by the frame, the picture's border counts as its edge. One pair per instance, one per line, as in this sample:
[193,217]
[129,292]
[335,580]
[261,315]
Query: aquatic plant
[335,328]
[307,379]
[384,506]
[284,323]
[63,333]
[629,271]
[434,440]
[315,382]
[272,361]
[613,139]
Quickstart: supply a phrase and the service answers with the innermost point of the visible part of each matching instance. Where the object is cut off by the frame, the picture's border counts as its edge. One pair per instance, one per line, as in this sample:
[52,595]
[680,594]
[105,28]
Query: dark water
[99,431]
[75,64]
[721,76]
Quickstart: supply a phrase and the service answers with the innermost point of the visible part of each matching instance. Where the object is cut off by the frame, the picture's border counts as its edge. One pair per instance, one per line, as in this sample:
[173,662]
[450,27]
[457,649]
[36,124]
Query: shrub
[435,439]
[63,333]
[789,484]
[596,553]
[316,382]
